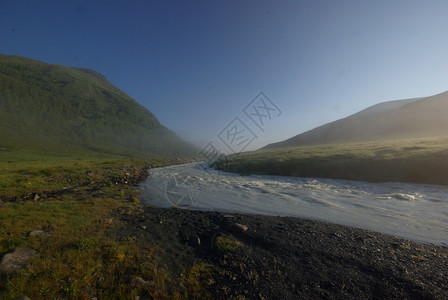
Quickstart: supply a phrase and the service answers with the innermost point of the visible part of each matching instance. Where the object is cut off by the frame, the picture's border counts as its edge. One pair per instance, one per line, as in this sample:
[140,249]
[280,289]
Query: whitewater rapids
[414,211]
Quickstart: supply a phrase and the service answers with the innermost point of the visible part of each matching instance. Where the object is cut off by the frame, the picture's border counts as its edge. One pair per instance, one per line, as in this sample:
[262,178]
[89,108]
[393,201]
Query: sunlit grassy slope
[401,119]
[412,160]
[57,108]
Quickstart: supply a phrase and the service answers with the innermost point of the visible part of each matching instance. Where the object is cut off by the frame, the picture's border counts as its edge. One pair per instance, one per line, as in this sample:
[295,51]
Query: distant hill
[52,107]
[410,118]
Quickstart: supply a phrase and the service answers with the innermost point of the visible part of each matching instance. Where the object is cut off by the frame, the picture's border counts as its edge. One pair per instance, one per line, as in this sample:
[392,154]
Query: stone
[237,228]
[36,197]
[137,281]
[36,233]
[17,260]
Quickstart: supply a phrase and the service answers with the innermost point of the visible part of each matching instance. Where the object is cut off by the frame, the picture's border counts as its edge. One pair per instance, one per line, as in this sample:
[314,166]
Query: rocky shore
[267,257]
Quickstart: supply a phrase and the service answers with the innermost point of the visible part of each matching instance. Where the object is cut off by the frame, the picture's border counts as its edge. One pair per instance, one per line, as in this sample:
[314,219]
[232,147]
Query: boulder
[15,261]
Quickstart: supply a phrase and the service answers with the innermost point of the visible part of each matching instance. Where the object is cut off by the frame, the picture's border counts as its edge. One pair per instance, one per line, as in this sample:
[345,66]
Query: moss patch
[224,244]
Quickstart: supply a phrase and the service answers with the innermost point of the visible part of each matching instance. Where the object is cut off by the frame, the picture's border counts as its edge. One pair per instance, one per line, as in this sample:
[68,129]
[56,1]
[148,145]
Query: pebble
[237,227]
[137,281]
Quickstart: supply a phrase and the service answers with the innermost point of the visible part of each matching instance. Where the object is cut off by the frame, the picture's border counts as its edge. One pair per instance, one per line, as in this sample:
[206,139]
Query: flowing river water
[414,211]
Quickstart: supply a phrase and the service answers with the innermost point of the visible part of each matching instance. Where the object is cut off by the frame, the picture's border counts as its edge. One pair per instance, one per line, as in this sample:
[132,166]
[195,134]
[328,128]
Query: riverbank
[264,257]
[411,211]
[415,160]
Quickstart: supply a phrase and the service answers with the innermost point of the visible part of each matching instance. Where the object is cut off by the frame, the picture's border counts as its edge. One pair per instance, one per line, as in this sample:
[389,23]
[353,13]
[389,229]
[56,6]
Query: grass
[69,143]
[414,160]
[224,244]
[198,277]
[25,171]
[45,106]
[77,258]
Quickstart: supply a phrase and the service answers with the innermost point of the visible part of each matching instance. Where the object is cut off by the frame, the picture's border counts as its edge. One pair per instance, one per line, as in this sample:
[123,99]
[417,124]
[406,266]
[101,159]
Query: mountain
[53,107]
[410,118]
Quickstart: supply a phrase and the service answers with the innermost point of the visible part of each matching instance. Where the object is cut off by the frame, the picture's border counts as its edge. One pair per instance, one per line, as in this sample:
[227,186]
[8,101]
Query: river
[414,211]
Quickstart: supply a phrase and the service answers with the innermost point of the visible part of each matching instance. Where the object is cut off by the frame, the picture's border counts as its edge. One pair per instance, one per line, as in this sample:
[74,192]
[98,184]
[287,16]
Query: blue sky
[197,64]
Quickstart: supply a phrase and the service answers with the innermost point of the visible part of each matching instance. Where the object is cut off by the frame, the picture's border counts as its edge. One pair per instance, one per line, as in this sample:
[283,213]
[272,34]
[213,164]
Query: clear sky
[197,64]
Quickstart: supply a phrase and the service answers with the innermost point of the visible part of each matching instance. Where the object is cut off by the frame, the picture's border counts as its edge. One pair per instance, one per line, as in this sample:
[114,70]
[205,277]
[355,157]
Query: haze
[197,65]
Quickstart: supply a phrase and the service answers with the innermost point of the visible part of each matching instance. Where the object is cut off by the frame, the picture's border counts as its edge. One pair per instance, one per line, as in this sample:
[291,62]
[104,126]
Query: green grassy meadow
[77,258]
[413,160]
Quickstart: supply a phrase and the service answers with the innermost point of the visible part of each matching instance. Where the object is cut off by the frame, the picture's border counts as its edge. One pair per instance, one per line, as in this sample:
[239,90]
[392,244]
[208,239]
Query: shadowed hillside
[410,118]
[52,107]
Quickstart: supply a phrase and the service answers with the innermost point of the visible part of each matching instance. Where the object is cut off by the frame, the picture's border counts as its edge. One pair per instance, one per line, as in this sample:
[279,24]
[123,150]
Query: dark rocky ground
[289,258]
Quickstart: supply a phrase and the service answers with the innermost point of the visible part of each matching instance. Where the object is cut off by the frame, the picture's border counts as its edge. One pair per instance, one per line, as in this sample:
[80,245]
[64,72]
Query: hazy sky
[197,64]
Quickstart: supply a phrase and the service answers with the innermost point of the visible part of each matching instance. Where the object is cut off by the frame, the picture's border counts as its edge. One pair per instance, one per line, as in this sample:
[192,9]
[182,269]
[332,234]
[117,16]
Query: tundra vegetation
[407,160]
[69,201]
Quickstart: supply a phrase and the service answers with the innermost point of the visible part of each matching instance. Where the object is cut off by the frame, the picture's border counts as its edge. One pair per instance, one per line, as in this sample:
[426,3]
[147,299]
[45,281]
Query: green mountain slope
[52,107]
